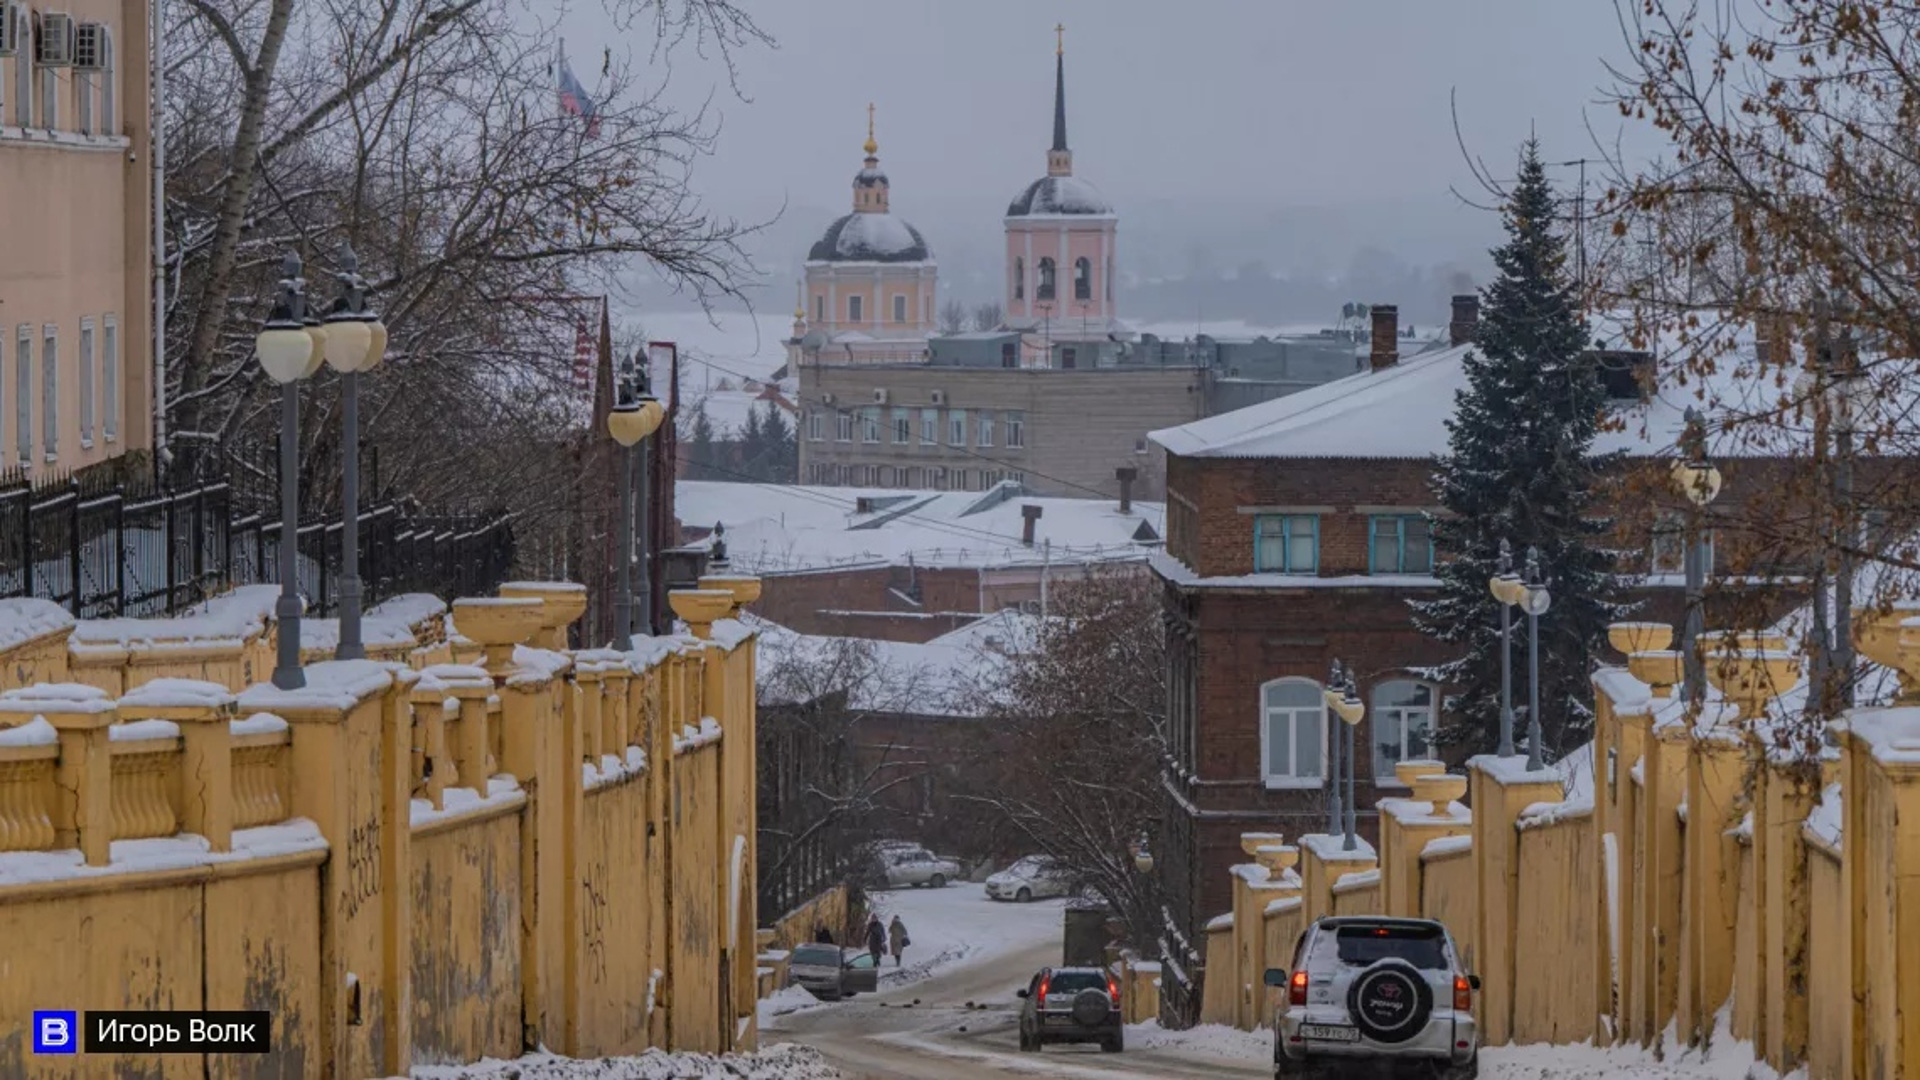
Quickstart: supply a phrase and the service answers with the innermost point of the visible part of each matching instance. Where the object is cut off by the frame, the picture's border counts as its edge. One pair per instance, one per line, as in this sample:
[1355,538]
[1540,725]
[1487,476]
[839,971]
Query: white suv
[1367,990]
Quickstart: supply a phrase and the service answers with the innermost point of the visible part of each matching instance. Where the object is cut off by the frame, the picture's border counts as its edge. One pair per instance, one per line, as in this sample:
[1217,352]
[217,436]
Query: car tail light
[1043,987]
[1297,989]
[1462,993]
[1113,991]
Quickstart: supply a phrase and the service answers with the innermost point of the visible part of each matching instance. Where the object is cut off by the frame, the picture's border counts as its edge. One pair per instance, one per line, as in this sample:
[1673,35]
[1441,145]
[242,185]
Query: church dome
[868,237]
[1059,195]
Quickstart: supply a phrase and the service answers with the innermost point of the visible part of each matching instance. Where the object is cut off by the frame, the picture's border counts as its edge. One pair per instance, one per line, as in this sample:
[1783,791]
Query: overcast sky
[1207,108]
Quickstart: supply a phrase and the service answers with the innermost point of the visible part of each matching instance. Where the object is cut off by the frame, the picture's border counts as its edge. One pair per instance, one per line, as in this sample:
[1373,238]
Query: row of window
[857,308]
[1044,288]
[1295,728]
[31,92]
[97,367]
[957,426]
[1290,544]
[916,477]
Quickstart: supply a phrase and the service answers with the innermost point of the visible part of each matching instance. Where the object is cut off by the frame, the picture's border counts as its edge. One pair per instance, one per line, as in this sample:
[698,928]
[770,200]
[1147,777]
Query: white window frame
[929,427]
[23,393]
[49,98]
[1293,779]
[985,439]
[86,382]
[50,389]
[23,69]
[1670,527]
[902,425]
[957,427]
[843,429]
[1377,713]
[816,425]
[83,87]
[1016,430]
[870,424]
[110,376]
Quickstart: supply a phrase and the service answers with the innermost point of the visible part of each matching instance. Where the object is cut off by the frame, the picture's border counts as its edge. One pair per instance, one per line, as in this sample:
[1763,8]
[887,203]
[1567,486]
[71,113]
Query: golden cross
[869,119]
[1059,38]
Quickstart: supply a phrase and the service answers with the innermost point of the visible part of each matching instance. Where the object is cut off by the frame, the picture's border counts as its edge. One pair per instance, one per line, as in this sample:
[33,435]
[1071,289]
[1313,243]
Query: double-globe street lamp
[1530,595]
[356,342]
[636,415]
[1344,701]
[1698,480]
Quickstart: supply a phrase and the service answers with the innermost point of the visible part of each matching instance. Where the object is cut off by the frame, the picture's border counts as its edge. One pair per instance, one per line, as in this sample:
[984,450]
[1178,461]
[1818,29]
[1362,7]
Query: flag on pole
[574,100]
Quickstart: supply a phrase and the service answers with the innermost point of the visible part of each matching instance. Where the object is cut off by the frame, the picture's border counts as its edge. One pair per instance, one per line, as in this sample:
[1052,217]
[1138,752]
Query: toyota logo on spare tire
[1390,1002]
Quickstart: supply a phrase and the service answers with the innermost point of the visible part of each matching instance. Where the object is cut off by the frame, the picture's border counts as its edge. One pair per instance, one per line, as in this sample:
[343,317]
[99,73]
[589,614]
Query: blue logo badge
[56,1031]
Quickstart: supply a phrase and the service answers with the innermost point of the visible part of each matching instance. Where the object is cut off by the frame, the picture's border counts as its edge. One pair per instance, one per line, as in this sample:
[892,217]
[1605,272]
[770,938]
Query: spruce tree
[1519,467]
[752,457]
[782,446]
[700,444]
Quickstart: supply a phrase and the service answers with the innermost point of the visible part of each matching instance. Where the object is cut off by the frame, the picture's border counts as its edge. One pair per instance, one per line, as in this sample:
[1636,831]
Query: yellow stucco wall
[1558,864]
[466,939]
[615,904]
[1826,988]
[1449,892]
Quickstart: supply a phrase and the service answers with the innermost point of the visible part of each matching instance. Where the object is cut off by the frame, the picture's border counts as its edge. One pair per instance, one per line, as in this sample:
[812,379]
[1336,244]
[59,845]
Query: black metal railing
[103,550]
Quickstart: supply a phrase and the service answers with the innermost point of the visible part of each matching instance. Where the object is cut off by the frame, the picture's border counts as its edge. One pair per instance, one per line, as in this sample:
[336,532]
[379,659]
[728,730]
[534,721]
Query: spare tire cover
[1390,1002]
[1090,1007]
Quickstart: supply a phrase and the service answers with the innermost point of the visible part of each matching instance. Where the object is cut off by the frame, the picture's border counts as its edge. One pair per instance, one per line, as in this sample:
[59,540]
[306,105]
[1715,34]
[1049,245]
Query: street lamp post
[1534,601]
[290,347]
[1699,481]
[1336,680]
[1506,588]
[635,416]
[1142,855]
[356,342]
[1350,709]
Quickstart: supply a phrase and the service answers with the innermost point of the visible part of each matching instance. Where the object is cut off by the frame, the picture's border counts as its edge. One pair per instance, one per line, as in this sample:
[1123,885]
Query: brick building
[1296,535]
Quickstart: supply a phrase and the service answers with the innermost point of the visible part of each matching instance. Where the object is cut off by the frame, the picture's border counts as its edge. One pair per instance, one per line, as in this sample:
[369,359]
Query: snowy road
[949,1014]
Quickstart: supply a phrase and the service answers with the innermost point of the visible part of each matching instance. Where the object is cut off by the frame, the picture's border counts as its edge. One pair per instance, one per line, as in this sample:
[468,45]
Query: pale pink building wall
[1065,238]
[829,285]
[77,251]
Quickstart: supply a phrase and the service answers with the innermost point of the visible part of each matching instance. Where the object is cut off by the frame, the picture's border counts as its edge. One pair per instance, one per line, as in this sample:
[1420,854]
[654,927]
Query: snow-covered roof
[1402,411]
[870,237]
[947,676]
[773,528]
[1059,195]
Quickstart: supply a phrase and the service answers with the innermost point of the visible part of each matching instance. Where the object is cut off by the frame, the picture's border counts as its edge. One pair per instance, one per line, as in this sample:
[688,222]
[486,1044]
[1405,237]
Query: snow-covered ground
[786,1062]
[958,926]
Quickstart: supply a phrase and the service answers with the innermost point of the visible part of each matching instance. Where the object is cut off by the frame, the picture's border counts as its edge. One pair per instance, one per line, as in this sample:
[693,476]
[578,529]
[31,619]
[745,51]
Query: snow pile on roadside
[784,1062]
[1216,1040]
[1728,1060]
[790,999]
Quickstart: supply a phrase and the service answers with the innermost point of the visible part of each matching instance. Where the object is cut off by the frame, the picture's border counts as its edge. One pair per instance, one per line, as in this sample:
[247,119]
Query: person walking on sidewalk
[876,938]
[897,939]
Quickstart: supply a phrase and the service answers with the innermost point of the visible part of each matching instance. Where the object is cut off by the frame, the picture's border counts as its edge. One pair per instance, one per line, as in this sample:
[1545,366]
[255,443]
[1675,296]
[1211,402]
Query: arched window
[1109,280]
[1044,291]
[1403,719]
[819,309]
[1082,279]
[1293,728]
[853,308]
[1019,278]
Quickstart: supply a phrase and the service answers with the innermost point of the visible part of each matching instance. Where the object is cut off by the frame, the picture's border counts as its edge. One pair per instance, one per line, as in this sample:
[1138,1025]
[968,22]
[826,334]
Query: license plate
[1329,1033]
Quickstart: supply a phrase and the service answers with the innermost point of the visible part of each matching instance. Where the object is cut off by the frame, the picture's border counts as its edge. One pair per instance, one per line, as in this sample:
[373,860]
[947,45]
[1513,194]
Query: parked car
[1375,991]
[1035,877]
[915,866]
[1071,1005]
[831,973]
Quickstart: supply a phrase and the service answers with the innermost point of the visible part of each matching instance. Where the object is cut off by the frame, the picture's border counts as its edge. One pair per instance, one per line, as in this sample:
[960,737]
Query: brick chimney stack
[1029,517]
[1386,336]
[1466,319]
[1126,474]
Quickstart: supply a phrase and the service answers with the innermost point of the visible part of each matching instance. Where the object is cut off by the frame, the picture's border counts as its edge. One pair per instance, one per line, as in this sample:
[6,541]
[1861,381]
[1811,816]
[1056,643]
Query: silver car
[916,867]
[1035,877]
[830,973]
[1369,991]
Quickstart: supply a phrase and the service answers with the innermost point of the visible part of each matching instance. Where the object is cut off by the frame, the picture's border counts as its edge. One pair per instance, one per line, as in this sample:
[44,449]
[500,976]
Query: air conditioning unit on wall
[89,47]
[826,399]
[53,43]
[879,396]
[939,397]
[9,28]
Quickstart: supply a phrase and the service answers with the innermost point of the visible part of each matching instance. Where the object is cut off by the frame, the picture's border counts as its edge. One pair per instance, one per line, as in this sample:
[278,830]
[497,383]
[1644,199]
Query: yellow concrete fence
[409,861]
[1703,876]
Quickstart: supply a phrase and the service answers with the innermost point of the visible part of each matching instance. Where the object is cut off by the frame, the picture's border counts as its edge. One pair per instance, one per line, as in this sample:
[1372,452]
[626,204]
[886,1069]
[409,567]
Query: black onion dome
[1059,195]
[870,238]
[869,177]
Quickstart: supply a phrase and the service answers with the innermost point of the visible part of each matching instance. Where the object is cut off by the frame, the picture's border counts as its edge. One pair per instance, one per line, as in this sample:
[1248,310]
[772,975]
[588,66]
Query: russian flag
[575,102]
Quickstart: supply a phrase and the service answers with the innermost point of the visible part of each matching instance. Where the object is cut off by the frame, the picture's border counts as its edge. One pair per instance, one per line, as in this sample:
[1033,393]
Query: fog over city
[1313,142]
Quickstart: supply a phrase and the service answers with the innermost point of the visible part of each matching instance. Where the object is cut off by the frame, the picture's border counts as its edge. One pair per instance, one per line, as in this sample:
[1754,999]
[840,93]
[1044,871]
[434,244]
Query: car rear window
[1422,946]
[1072,982]
[817,955]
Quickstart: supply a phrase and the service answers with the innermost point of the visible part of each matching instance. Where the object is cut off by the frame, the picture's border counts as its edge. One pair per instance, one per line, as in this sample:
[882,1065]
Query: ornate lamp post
[1506,588]
[1142,855]
[1534,600]
[1336,681]
[356,342]
[636,416]
[1349,708]
[1699,481]
[290,347]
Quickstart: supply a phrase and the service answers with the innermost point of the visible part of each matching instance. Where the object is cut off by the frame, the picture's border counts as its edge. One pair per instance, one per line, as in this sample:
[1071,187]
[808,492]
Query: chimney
[1386,336]
[1029,517]
[1466,319]
[1126,474]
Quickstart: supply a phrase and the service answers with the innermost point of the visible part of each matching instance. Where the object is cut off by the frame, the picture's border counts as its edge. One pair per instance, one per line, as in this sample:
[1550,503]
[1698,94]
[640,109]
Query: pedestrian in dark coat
[876,939]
